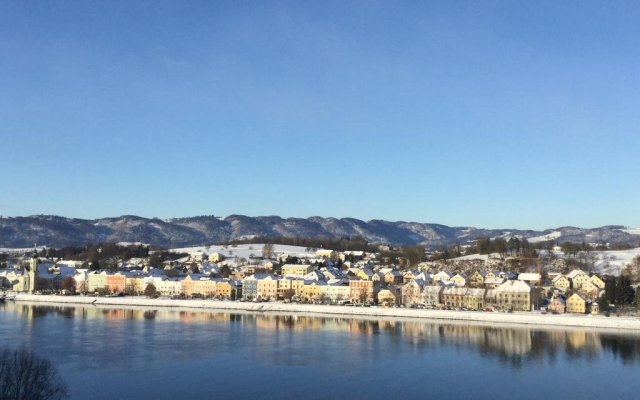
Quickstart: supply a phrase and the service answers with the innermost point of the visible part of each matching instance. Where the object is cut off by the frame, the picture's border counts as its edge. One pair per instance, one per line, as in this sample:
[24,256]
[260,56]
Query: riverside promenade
[585,321]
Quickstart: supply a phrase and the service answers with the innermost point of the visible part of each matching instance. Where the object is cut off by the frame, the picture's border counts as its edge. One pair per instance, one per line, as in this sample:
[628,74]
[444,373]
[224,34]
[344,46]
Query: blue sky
[487,114]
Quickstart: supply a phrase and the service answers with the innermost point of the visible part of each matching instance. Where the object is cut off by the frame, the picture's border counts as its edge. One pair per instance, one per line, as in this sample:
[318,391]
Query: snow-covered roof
[575,273]
[514,286]
[529,276]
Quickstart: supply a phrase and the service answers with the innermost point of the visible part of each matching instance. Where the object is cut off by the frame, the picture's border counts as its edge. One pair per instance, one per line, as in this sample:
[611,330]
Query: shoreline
[581,321]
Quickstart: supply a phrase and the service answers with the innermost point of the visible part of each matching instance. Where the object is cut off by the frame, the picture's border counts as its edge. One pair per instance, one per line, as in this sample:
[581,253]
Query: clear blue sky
[489,114]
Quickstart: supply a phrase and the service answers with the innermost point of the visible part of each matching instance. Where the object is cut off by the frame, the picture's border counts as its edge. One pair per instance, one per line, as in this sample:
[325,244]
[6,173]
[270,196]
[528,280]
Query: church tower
[33,272]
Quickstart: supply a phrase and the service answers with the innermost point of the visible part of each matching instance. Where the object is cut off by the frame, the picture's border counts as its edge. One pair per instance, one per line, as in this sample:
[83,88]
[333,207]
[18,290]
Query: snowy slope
[247,250]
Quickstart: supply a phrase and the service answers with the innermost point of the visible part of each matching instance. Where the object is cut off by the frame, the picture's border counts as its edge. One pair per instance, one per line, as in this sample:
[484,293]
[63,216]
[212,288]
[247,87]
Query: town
[313,276]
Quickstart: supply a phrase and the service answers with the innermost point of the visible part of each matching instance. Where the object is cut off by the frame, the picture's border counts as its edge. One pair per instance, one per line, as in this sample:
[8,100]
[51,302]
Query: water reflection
[200,333]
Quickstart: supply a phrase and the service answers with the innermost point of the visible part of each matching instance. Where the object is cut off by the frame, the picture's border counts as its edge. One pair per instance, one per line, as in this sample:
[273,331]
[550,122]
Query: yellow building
[134,285]
[197,286]
[387,297]
[216,257]
[459,279]
[365,274]
[491,275]
[578,278]
[312,290]
[577,304]
[474,299]
[589,290]
[267,287]
[595,279]
[296,269]
[324,253]
[477,279]
[225,290]
[288,287]
[561,282]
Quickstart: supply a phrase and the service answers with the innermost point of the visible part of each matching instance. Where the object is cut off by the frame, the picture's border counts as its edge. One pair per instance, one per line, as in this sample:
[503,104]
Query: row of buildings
[359,283]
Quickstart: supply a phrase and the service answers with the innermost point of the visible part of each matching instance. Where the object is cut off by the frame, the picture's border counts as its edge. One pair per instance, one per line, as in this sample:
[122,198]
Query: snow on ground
[124,244]
[550,236]
[247,250]
[632,231]
[21,250]
[610,262]
[483,257]
[614,261]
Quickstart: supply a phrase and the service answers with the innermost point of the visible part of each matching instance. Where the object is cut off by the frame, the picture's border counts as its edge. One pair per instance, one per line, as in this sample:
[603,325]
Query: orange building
[362,290]
[116,283]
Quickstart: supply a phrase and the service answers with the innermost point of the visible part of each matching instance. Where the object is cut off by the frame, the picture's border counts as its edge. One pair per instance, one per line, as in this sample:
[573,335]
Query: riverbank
[584,321]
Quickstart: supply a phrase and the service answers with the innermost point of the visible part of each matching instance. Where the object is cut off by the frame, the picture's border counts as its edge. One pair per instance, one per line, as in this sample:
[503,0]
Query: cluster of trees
[354,243]
[618,291]
[576,248]
[512,247]
[573,249]
[158,257]
[93,252]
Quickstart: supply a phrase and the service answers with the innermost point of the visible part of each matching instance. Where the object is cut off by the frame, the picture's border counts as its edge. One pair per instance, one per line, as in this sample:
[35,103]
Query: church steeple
[33,271]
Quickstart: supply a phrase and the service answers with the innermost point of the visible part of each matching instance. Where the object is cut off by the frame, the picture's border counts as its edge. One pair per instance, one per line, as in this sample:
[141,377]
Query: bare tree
[23,375]
[267,250]
[362,295]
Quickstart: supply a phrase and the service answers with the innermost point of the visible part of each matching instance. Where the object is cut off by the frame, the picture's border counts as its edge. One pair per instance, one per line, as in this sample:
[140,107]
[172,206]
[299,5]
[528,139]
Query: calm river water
[172,354]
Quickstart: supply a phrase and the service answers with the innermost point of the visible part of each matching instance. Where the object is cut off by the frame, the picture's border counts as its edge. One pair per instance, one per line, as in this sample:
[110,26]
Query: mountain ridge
[57,231]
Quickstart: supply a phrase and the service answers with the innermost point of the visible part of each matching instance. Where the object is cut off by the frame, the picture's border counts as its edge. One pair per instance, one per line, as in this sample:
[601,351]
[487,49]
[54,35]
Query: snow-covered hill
[182,232]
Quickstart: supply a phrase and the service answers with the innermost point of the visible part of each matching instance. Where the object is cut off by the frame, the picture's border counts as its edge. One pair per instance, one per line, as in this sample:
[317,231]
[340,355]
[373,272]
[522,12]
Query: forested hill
[60,231]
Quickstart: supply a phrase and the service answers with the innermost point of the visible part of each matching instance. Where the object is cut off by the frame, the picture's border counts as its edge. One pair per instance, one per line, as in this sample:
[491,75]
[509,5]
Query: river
[122,353]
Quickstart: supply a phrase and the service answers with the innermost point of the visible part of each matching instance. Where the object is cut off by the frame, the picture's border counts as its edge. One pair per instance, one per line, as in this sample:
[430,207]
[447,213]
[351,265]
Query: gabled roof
[514,286]
[292,266]
[580,296]
[454,290]
[575,273]
[432,289]
[476,292]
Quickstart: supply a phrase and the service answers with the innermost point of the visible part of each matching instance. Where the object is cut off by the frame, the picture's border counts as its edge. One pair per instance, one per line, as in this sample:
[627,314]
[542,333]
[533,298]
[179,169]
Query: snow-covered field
[607,262]
[587,321]
[550,236]
[632,231]
[614,261]
[20,250]
[482,257]
[247,250]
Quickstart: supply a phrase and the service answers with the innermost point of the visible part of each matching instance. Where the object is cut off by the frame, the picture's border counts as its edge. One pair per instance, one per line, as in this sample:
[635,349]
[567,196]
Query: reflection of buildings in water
[523,343]
[583,339]
[510,341]
[291,322]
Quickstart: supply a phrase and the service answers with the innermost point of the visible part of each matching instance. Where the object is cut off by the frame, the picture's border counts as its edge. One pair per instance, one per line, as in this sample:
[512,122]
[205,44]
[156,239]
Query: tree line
[353,243]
